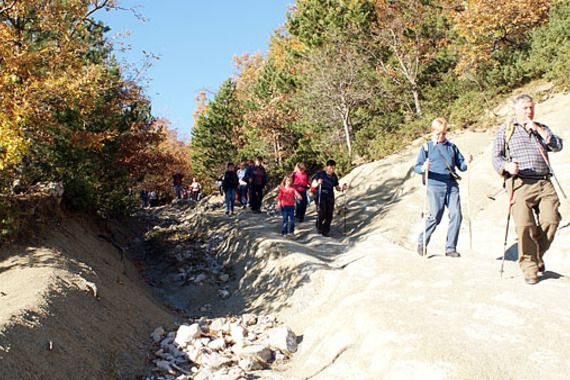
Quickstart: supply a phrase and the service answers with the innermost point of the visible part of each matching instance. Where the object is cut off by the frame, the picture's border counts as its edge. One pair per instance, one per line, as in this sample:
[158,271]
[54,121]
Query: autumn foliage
[68,114]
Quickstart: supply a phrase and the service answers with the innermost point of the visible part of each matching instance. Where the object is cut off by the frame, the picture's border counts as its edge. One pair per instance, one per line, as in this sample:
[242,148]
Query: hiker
[229,186]
[153,198]
[440,157]
[520,154]
[177,183]
[301,184]
[257,180]
[326,182]
[144,198]
[242,189]
[195,189]
[286,198]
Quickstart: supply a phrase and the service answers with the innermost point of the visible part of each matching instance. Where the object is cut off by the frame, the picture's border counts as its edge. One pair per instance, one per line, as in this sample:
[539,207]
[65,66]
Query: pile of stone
[229,348]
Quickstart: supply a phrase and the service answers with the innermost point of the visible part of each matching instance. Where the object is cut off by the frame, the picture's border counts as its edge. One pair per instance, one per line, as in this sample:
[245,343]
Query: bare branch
[8,7]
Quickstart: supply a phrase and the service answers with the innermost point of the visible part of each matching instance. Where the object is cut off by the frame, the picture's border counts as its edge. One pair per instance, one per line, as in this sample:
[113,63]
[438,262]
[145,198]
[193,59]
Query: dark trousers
[301,206]
[256,196]
[324,219]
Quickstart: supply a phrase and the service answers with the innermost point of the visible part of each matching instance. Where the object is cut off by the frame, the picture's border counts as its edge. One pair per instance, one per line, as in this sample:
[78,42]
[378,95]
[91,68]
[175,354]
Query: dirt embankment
[71,308]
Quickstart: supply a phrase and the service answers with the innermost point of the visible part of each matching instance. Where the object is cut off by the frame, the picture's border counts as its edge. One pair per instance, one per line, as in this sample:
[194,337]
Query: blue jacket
[438,154]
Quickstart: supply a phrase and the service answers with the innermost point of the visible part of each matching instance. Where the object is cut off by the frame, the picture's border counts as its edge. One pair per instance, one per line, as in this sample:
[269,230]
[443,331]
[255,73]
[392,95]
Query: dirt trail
[392,315]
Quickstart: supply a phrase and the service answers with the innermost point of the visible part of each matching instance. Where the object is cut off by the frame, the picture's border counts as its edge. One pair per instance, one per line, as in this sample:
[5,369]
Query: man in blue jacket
[440,158]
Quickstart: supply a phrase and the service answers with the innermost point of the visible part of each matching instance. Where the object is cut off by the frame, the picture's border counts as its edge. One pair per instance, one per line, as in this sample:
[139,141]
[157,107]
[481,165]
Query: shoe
[420,250]
[227,213]
[531,279]
[452,254]
[541,269]
[291,236]
[325,234]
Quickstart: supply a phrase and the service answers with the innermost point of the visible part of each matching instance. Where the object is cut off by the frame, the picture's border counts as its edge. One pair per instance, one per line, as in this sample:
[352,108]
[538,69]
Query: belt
[535,177]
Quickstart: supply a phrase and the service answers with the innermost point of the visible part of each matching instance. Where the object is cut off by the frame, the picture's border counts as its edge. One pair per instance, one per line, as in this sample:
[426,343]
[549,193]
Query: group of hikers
[193,192]
[249,181]
[520,155]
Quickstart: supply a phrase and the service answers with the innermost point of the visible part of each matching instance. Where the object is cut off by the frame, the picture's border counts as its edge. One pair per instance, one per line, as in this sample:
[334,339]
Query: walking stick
[508,220]
[469,210]
[345,208]
[426,213]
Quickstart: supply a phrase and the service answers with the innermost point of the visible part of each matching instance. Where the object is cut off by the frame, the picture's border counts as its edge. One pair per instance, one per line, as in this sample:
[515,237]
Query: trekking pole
[548,164]
[508,220]
[495,194]
[426,213]
[345,208]
[469,210]
[319,208]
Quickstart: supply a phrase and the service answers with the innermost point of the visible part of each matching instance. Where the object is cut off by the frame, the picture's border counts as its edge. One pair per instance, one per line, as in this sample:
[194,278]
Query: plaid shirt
[524,149]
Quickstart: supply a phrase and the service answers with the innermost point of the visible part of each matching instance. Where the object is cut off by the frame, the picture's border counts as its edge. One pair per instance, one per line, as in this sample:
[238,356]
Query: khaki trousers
[536,217]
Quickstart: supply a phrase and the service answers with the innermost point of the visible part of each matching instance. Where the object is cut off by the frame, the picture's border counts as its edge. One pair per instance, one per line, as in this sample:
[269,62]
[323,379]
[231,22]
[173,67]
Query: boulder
[186,334]
[157,334]
[257,352]
[282,339]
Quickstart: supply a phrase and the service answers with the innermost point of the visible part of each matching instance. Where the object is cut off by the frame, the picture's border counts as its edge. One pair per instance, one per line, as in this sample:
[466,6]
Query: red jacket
[286,196]
[300,181]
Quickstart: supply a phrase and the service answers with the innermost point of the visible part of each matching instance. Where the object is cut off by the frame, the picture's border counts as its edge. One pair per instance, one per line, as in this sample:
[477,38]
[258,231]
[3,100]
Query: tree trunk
[347,128]
[417,101]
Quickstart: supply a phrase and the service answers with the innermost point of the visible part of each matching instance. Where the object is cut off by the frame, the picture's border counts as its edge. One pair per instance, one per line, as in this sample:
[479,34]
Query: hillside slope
[391,314]
[71,309]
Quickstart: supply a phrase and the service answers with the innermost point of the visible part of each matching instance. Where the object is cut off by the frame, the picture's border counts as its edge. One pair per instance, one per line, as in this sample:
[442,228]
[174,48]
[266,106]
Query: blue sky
[195,41]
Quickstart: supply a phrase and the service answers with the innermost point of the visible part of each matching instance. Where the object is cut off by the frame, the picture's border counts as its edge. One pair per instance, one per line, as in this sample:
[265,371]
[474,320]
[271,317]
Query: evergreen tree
[214,136]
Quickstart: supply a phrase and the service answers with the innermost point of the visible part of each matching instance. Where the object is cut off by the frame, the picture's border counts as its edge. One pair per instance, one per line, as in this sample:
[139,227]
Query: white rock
[200,278]
[219,325]
[224,277]
[203,374]
[207,307]
[214,360]
[256,352]
[223,294]
[163,365]
[282,339]
[166,342]
[237,332]
[217,344]
[194,354]
[249,319]
[157,334]
[186,334]
[249,365]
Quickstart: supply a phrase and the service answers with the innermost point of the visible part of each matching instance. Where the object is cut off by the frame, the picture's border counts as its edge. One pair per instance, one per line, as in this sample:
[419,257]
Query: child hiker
[286,200]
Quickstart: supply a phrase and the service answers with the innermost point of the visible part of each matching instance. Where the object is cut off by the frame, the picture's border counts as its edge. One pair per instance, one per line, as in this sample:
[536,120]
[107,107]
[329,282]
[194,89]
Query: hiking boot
[452,254]
[531,279]
[541,269]
[421,250]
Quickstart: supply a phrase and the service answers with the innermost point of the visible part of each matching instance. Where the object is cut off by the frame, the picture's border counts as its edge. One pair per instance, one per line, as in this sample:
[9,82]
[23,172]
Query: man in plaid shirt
[520,153]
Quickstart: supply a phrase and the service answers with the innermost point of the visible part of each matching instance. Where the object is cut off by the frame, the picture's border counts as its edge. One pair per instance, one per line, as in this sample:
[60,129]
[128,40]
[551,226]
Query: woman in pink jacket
[301,184]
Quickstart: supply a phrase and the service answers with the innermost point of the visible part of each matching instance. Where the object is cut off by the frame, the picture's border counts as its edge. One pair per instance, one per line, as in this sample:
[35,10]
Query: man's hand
[512,168]
[425,166]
